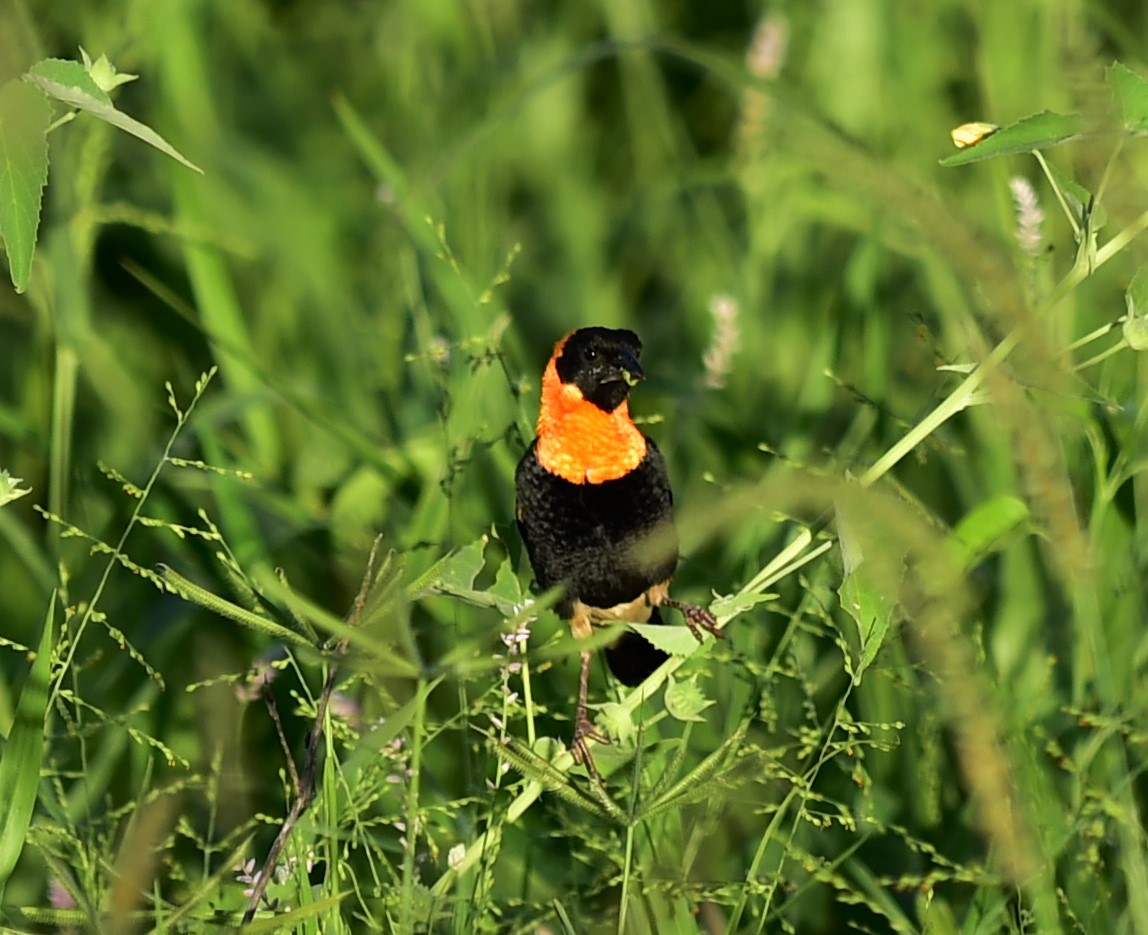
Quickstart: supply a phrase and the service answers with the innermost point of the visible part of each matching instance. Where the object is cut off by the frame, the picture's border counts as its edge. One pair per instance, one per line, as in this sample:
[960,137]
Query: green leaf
[985,529]
[507,589]
[865,595]
[1131,92]
[1136,333]
[1039,131]
[453,573]
[24,120]
[684,700]
[70,83]
[1079,200]
[10,488]
[104,73]
[618,721]
[218,605]
[1136,300]
[677,641]
[23,753]
[734,605]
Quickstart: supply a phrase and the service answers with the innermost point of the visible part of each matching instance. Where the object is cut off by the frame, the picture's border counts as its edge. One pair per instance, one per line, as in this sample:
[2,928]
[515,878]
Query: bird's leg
[583,728]
[697,619]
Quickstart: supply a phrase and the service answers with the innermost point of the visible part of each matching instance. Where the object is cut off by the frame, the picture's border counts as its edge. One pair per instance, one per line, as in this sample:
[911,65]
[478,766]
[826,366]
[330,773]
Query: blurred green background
[403,206]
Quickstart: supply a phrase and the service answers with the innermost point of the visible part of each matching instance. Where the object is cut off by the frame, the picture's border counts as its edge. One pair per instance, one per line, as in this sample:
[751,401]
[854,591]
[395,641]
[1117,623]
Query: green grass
[929,715]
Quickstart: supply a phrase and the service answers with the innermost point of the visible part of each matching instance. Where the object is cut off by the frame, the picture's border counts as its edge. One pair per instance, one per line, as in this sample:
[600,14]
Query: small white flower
[1029,216]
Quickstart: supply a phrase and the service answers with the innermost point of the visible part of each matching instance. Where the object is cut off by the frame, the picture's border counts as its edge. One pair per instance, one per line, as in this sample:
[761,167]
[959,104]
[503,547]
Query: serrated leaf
[733,605]
[24,119]
[65,73]
[985,529]
[507,589]
[684,700]
[618,720]
[69,83]
[1039,131]
[677,641]
[23,754]
[1131,92]
[454,573]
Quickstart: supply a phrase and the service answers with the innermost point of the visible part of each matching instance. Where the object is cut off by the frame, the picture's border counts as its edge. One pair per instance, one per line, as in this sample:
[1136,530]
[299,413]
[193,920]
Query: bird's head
[602,363]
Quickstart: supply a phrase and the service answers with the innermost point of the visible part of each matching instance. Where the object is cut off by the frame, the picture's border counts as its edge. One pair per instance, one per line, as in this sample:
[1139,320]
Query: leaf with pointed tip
[24,120]
[1040,131]
[1136,300]
[23,754]
[677,641]
[1131,92]
[866,595]
[685,701]
[735,604]
[453,573]
[69,83]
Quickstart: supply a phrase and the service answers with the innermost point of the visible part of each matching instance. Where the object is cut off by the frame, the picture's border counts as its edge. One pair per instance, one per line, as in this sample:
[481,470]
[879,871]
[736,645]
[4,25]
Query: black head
[602,363]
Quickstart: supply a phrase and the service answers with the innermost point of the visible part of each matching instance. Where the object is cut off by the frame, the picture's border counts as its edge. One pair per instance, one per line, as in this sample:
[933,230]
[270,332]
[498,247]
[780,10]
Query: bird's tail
[631,659]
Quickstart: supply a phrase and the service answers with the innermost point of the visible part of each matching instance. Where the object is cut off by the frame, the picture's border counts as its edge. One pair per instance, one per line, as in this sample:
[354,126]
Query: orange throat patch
[581,443]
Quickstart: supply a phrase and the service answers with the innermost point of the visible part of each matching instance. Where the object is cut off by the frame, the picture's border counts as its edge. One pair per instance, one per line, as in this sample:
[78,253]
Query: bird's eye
[590,354]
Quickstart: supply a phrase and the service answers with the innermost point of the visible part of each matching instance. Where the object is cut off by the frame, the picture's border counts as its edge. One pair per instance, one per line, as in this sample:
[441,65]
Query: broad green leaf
[1136,300]
[618,721]
[1131,91]
[1136,333]
[677,641]
[985,529]
[454,573]
[685,701]
[23,753]
[1039,131]
[865,595]
[69,83]
[24,119]
[507,589]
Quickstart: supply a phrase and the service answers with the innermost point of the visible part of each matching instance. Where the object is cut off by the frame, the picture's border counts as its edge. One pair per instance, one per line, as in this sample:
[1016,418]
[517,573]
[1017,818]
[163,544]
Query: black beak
[629,368]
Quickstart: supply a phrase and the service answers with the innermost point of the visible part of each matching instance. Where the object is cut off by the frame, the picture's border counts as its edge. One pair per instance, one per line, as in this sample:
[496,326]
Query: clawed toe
[698,619]
[584,731]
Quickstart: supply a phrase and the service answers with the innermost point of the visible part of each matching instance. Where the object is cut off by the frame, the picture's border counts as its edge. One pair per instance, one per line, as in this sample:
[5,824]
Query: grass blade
[23,753]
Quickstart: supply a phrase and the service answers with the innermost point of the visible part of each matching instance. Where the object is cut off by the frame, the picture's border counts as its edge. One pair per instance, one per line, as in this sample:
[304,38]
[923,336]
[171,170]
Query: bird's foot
[697,619]
[584,730]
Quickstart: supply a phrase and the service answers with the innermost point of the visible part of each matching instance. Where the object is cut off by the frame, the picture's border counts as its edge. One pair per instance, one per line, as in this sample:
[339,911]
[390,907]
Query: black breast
[606,542]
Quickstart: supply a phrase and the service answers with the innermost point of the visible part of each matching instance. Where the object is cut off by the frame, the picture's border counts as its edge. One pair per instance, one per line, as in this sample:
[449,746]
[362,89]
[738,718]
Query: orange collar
[577,440]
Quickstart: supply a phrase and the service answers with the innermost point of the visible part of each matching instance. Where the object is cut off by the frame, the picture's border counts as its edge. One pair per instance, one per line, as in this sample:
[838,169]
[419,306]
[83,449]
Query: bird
[594,510]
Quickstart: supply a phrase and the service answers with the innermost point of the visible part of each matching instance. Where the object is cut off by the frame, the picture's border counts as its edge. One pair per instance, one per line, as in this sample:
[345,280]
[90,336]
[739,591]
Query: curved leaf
[24,119]
[69,83]
[1039,131]
[23,753]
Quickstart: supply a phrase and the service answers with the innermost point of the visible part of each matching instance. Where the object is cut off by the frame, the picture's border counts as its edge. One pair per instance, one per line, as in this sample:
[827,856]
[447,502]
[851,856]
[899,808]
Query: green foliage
[24,127]
[900,402]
